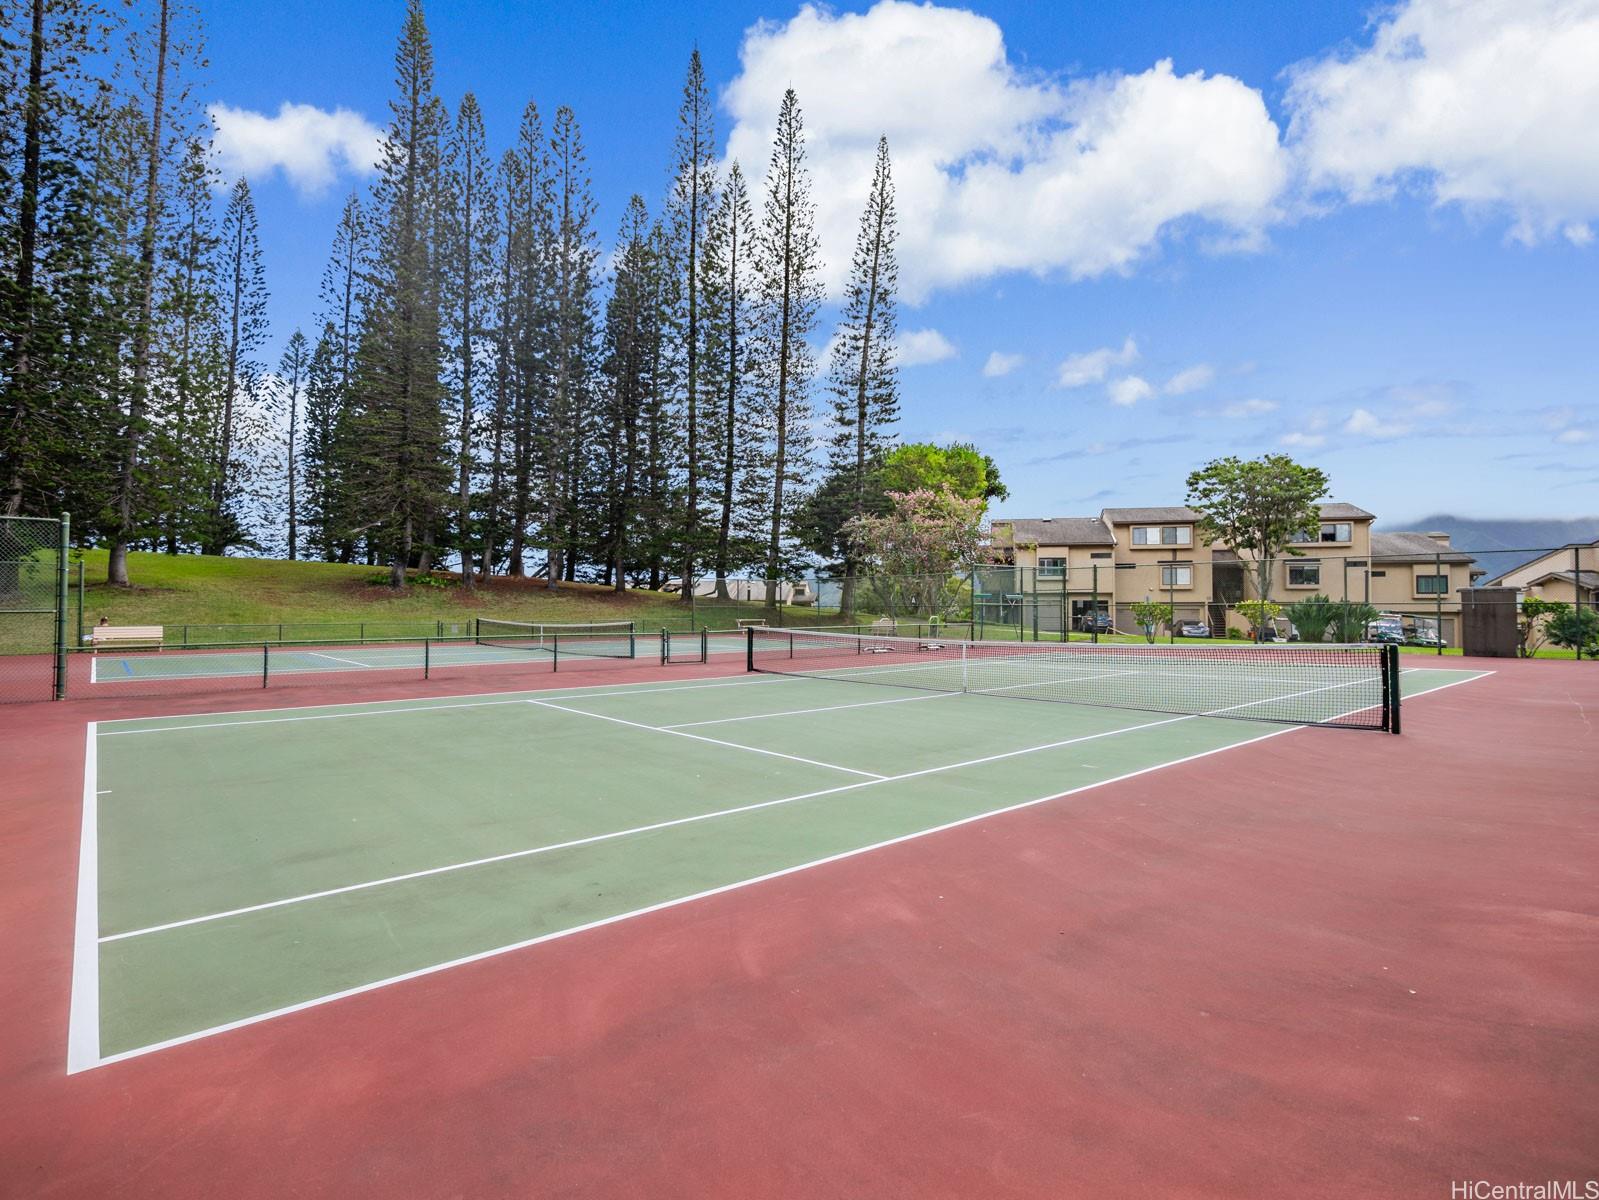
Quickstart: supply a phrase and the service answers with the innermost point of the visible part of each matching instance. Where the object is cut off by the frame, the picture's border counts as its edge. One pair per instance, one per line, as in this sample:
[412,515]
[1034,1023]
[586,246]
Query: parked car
[1387,633]
[1095,622]
[1195,629]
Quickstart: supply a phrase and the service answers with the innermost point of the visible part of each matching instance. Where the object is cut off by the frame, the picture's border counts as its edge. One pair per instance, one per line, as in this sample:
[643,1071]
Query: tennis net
[1349,686]
[592,639]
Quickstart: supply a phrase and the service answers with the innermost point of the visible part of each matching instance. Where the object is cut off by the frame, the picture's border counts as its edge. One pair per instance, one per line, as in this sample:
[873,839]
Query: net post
[705,645]
[666,645]
[64,541]
[555,652]
[749,648]
[427,658]
[632,647]
[266,655]
[1392,653]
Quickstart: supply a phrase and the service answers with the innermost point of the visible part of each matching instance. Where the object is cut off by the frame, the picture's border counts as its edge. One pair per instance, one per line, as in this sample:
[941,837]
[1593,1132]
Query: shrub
[1149,614]
[1575,629]
[1313,617]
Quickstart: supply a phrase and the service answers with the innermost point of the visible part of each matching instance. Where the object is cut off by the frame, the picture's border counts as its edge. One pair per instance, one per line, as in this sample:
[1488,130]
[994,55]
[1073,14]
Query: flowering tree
[919,549]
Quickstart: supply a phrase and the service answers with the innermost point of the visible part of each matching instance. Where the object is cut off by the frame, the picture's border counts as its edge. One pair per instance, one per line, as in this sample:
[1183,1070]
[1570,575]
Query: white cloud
[1491,103]
[1574,437]
[1190,380]
[1129,390]
[311,146]
[1079,370]
[999,168]
[1304,440]
[1000,365]
[1249,408]
[917,347]
[1365,423]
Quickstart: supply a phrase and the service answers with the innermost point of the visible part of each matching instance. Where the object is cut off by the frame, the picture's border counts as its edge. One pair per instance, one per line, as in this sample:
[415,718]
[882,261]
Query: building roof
[1585,579]
[1060,531]
[1339,511]
[1138,516]
[1413,547]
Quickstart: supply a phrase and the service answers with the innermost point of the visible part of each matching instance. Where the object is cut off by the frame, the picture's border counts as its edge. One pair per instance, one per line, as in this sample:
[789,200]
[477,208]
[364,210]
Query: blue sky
[1133,236]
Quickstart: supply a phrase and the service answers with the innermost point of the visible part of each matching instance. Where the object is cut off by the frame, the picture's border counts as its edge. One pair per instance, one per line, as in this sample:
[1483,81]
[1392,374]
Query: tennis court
[240,866]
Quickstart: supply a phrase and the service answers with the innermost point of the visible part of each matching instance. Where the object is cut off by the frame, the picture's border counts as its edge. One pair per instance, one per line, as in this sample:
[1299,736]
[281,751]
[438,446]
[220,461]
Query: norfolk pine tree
[790,293]
[863,377]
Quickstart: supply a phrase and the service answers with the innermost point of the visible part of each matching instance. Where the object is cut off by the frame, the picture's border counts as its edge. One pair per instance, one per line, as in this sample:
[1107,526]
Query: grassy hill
[195,589]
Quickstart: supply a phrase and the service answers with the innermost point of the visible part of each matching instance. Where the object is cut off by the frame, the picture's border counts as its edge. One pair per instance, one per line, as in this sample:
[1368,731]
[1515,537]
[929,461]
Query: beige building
[1570,573]
[1077,565]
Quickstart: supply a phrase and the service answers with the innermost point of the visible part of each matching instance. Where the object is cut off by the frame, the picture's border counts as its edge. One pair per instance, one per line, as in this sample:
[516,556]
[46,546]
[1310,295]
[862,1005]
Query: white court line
[359,989]
[83,1022]
[620,833]
[800,712]
[699,737]
[334,658]
[393,709]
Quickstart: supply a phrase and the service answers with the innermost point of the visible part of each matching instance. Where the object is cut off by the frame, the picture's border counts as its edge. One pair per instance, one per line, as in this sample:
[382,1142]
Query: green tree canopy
[1257,506]
[960,466]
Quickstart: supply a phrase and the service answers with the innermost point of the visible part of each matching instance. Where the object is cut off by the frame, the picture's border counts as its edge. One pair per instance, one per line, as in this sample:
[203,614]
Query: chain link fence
[33,608]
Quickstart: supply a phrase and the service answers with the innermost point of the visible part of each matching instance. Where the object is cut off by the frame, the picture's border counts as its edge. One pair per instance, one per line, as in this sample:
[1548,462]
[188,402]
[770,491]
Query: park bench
[125,635]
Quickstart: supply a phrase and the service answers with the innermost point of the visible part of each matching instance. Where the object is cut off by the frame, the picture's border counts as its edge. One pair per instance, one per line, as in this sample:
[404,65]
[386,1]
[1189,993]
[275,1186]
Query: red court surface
[1323,964]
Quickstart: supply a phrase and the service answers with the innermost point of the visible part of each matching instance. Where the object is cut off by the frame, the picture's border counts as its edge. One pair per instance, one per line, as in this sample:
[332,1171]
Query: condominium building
[1064,568]
[1570,573]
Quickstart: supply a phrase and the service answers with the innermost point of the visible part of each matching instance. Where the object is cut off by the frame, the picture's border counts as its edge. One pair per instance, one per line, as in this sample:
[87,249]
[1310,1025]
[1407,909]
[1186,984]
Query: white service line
[698,737]
[395,709]
[336,658]
[800,712]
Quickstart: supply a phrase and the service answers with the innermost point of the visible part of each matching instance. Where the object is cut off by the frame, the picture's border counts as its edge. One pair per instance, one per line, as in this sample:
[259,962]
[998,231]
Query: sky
[1133,237]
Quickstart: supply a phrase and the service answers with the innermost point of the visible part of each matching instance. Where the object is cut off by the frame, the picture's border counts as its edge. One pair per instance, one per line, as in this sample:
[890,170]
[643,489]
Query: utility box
[1489,622]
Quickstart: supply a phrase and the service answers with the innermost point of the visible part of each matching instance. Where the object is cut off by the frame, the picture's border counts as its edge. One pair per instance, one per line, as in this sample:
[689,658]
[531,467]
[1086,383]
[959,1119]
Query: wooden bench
[125,635]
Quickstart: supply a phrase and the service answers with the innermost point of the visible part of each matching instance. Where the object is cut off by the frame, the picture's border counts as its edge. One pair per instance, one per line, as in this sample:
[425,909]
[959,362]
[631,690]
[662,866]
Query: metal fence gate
[33,608]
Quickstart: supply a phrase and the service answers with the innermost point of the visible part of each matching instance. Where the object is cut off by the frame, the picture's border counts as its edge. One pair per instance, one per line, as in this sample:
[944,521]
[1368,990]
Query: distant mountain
[1503,543]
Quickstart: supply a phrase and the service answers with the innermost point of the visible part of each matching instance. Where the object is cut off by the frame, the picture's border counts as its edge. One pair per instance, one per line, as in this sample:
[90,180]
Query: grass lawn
[194,589]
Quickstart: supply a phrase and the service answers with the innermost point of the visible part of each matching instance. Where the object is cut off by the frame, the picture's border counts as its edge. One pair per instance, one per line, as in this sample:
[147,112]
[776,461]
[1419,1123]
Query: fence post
[1093,612]
[79,642]
[1576,592]
[61,608]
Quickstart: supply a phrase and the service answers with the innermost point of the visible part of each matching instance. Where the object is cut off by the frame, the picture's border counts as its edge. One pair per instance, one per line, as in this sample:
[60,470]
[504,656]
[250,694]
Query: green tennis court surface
[237,866]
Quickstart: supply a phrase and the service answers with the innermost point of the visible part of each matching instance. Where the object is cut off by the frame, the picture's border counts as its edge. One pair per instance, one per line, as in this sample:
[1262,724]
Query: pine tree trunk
[127,482]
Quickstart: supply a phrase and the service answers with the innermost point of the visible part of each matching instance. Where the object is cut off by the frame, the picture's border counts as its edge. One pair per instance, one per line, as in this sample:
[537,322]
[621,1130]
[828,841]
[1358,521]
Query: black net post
[266,658]
[749,649]
[1391,695]
[427,658]
[555,652]
[705,645]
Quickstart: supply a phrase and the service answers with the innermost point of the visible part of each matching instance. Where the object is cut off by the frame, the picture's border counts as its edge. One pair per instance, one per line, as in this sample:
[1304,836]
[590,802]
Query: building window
[1432,585]
[1100,554]
[1051,568]
[1330,531]
[1304,574]
[1176,577]
[1162,535]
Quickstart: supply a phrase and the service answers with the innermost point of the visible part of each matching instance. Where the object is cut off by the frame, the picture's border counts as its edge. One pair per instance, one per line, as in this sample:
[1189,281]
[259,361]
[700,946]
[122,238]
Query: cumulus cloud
[999,364]
[1191,380]
[1129,390]
[1365,423]
[1079,370]
[917,347]
[999,168]
[311,146]
[1490,104]
[1248,408]
[1302,439]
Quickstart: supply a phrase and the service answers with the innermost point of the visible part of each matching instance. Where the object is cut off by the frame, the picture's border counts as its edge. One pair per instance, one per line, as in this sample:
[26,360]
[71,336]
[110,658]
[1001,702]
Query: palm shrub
[1313,617]
[1350,619]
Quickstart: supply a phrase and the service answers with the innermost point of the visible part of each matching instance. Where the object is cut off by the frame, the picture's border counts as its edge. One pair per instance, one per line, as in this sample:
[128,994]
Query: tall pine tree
[863,377]
[790,293]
